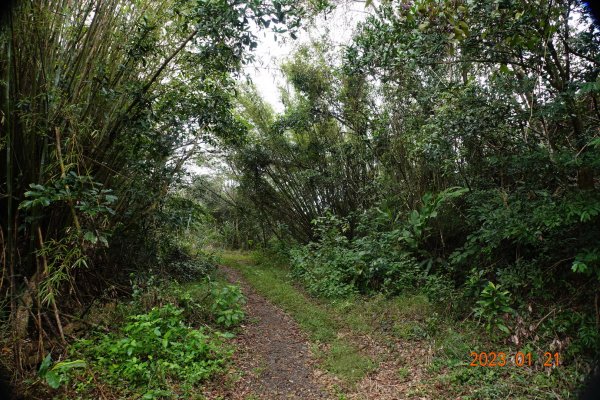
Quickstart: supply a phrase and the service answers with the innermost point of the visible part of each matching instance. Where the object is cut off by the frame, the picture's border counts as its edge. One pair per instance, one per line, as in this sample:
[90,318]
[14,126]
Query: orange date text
[520,359]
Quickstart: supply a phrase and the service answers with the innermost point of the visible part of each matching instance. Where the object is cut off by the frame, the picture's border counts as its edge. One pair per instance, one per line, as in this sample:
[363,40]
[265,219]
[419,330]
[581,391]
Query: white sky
[264,71]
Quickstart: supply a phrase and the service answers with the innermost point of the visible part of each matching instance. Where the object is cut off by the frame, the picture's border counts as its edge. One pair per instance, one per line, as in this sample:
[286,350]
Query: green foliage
[172,244]
[57,374]
[327,267]
[90,206]
[382,257]
[104,106]
[449,145]
[493,303]
[227,305]
[89,197]
[152,349]
[467,174]
[417,227]
[579,327]
[206,301]
[587,261]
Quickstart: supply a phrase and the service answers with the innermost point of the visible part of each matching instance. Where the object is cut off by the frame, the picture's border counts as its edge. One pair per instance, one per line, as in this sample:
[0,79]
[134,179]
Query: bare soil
[273,360]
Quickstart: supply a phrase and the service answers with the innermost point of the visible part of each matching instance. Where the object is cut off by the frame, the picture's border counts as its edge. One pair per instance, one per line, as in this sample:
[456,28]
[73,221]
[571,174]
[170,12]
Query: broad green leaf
[53,379]
[579,266]
[45,365]
[503,327]
[90,237]
[66,365]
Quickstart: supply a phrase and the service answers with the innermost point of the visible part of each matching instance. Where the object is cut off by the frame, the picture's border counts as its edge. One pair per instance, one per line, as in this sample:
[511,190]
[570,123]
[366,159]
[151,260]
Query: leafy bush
[202,302]
[184,266]
[227,305]
[325,272]
[576,328]
[537,225]
[154,348]
[381,257]
[492,304]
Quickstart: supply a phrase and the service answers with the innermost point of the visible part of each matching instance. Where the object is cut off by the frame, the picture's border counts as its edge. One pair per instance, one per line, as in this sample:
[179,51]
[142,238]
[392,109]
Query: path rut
[273,354]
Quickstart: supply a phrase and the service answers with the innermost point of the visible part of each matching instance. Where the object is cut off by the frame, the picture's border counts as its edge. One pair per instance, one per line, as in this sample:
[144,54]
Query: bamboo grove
[102,104]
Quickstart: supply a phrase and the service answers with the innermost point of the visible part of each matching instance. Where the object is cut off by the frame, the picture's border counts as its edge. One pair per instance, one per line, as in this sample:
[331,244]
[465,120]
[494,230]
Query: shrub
[186,267]
[337,267]
[492,304]
[227,305]
[154,348]
[326,272]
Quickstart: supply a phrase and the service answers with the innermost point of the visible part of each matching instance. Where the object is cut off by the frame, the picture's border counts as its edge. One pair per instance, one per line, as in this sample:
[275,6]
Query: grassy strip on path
[321,323]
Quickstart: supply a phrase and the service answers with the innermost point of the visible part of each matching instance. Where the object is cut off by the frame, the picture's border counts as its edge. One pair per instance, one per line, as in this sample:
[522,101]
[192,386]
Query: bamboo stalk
[63,174]
[45,275]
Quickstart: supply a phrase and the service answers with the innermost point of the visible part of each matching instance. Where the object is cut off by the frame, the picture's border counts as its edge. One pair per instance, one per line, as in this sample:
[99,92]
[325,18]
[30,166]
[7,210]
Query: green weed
[153,349]
[227,305]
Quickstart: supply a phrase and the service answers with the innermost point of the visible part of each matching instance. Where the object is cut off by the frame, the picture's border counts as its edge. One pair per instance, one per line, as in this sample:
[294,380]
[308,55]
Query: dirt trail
[273,354]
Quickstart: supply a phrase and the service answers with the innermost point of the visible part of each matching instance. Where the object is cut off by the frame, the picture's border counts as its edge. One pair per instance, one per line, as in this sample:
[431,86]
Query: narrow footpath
[273,353]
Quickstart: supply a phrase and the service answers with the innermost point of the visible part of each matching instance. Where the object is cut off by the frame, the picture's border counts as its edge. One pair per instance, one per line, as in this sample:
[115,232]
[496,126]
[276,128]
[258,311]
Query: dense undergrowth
[515,298]
[162,344]
[517,306]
